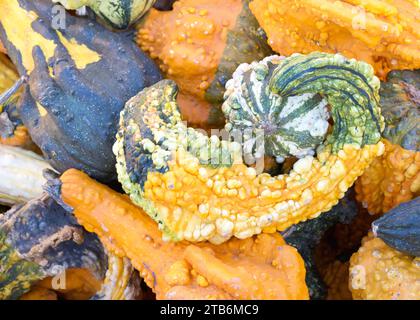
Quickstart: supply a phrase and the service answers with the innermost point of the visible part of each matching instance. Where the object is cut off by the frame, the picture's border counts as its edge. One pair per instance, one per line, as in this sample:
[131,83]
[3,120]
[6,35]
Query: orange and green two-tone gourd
[394,177]
[199,188]
[199,44]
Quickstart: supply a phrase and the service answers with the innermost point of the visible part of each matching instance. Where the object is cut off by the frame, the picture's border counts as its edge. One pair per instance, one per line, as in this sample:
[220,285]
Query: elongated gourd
[394,177]
[117,13]
[79,78]
[400,227]
[263,267]
[198,188]
[384,34]
[21,175]
[378,272]
[199,44]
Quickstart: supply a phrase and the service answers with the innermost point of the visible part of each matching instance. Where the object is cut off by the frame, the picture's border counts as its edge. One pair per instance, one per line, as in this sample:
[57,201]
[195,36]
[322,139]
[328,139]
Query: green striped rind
[117,13]
[400,104]
[292,126]
[246,42]
[350,87]
[16,275]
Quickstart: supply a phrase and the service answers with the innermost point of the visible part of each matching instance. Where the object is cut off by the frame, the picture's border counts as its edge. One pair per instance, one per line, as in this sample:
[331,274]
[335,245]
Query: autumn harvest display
[209,150]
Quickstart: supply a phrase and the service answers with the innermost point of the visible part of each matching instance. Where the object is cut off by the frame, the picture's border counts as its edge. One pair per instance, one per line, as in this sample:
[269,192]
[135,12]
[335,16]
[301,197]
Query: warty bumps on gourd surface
[394,177]
[79,79]
[199,44]
[384,34]
[261,267]
[213,195]
[116,13]
[378,272]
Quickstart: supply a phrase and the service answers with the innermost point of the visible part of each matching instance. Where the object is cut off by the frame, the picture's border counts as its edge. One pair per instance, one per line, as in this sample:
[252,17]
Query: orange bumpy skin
[380,272]
[263,267]
[336,278]
[390,180]
[386,34]
[189,42]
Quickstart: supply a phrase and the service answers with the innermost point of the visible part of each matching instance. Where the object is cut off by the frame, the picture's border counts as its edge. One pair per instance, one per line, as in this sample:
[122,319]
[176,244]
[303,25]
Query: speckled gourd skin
[378,272]
[117,13]
[382,33]
[38,237]
[213,195]
[395,177]
[79,80]
[199,44]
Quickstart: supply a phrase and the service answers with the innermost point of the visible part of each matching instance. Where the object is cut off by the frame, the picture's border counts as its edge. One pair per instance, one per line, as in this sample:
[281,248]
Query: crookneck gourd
[79,78]
[117,13]
[384,34]
[262,267]
[378,272]
[199,44]
[305,236]
[21,176]
[41,245]
[199,188]
[395,177]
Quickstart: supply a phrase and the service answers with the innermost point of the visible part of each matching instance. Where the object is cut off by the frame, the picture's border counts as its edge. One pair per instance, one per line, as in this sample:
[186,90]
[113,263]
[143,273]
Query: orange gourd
[262,267]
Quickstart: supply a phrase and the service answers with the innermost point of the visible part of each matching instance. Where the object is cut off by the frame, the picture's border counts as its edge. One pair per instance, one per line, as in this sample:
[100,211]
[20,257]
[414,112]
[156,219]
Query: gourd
[12,131]
[263,267]
[199,188]
[21,175]
[164,5]
[395,177]
[378,272]
[336,278]
[78,81]
[199,44]
[42,246]
[117,13]
[305,236]
[381,33]
[400,228]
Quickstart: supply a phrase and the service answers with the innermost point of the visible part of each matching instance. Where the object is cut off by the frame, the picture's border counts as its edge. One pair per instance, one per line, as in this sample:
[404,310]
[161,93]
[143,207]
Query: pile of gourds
[115,185]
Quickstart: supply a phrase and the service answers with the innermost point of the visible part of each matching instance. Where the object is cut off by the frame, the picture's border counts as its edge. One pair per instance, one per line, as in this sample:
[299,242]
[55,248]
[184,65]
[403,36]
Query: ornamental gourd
[378,272]
[78,81]
[117,13]
[263,267]
[382,33]
[395,177]
[199,188]
[21,176]
[400,227]
[199,44]
[39,240]
[305,237]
